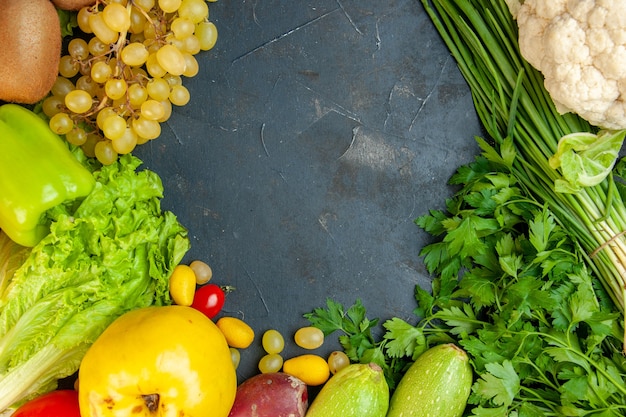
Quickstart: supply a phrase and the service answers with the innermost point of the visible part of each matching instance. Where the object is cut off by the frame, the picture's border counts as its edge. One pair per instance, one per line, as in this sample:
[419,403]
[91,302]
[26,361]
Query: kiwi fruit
[30,35]
[73,4]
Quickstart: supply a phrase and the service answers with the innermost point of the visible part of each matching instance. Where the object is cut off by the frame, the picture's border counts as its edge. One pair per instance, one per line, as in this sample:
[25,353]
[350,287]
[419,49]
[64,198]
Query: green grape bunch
[121,76]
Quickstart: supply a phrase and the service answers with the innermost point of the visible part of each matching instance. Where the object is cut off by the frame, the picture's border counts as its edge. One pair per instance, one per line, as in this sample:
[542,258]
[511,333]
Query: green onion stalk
[519,115]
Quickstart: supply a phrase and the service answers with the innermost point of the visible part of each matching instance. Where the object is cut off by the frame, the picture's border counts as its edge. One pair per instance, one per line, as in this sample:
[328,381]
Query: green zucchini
[358,390]
[437,384]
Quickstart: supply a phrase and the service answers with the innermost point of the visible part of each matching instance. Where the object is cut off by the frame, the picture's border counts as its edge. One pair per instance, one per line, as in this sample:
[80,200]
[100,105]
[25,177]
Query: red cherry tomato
[60,403]
[209,299]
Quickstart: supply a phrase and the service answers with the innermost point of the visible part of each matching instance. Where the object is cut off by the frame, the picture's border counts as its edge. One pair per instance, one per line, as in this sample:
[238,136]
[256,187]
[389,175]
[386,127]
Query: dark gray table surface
[318,130]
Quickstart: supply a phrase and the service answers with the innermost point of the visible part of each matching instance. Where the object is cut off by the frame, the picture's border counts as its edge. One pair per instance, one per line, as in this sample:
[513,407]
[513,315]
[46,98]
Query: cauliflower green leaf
[586,158]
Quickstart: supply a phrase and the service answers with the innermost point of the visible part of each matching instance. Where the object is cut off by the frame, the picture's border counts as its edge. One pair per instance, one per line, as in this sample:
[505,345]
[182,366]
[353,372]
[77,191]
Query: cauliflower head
[580,48]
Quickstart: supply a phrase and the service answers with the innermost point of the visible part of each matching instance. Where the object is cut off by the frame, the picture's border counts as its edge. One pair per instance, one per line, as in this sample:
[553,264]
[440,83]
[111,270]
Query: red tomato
[60,403]
[209,299]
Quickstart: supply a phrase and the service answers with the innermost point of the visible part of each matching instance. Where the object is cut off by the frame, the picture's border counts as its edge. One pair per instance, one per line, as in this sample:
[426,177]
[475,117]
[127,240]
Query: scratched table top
[318,130]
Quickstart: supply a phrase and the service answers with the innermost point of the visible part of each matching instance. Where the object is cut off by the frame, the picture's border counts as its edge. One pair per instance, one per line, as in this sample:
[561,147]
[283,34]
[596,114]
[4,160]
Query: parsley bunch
[514,291]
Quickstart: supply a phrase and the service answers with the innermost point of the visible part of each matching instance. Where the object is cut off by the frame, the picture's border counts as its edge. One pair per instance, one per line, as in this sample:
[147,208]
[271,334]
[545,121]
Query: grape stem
[149,19]
[121,41]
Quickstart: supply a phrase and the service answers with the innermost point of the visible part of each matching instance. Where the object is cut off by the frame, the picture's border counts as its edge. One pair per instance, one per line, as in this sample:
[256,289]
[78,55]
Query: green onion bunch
[520,117]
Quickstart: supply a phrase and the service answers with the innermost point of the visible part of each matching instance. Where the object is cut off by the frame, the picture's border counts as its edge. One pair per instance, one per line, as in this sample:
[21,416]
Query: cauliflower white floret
[580,48]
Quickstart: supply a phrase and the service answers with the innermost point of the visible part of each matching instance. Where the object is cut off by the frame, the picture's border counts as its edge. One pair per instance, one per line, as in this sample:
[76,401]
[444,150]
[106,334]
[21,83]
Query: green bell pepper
[37,172]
